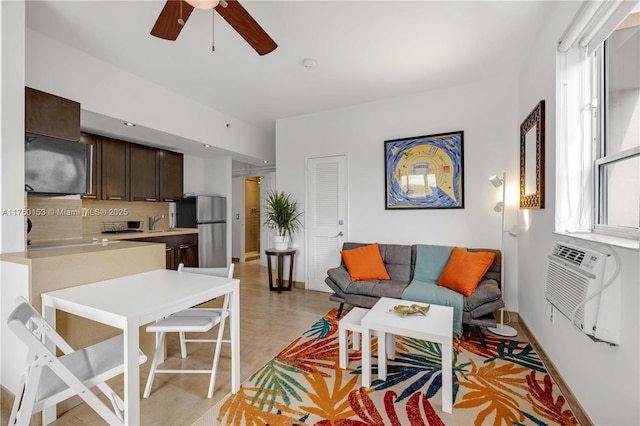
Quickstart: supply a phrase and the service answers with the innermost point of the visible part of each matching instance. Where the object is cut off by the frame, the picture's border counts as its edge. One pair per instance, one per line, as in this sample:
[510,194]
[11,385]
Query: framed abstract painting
[424,172]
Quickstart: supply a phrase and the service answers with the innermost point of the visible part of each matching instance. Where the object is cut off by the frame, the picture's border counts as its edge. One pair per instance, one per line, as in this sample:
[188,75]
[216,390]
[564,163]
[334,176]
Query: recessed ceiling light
[206,145]
[265,161]
[126,123]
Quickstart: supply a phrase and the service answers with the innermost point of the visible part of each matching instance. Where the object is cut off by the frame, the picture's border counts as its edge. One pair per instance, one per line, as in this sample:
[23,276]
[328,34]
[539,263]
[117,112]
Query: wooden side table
[280,254]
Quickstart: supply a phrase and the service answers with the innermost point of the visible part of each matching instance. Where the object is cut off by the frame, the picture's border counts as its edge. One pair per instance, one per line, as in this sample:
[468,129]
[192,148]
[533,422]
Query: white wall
[12,195]
[193,174]
[485,111]
[604,379]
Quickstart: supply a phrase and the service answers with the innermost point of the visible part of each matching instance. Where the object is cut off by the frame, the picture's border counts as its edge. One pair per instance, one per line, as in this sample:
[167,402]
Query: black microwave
[56,166]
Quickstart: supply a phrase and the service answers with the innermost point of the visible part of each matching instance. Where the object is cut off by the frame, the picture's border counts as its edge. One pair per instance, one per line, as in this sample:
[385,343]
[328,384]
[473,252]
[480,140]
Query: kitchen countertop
[68,248]
[143,234]
[90,244]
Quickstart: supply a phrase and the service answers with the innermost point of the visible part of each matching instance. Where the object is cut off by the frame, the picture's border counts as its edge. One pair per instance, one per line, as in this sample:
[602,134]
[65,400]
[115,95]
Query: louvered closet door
[326,216]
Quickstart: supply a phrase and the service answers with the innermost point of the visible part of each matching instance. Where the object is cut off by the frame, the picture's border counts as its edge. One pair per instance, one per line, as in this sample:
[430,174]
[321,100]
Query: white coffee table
[436,326]
[351,322]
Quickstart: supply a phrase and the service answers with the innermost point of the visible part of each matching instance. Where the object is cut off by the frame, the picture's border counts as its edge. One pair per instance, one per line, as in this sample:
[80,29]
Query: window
[617,121]
[598,121]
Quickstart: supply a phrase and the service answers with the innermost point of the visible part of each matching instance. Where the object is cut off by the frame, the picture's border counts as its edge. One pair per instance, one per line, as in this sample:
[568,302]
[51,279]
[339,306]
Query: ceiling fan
[176,12]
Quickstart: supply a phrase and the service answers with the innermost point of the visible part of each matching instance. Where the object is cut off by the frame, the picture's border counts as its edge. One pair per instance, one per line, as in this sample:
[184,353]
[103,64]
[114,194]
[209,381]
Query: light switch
[237,216]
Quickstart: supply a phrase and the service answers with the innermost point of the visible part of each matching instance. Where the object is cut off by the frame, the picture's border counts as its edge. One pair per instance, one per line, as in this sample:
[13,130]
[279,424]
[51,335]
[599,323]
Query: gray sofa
[400,261]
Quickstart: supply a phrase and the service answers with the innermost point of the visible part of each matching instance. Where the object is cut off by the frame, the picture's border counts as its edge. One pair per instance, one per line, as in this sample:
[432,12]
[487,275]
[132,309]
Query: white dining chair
[219,272]
[48,379]
[192,320]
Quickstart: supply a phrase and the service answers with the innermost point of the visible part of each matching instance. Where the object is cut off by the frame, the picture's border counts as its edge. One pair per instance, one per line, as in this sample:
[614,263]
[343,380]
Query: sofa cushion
[397,261]
[430,262]
[377,288]
[365,263]
[487,291]
[464,270]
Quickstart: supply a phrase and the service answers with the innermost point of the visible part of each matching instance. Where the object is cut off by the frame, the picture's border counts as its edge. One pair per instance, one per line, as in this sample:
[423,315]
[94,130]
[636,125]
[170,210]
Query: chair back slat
[218,272]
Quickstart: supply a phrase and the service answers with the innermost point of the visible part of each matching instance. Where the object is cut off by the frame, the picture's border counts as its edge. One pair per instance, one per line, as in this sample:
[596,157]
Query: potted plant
[282,213]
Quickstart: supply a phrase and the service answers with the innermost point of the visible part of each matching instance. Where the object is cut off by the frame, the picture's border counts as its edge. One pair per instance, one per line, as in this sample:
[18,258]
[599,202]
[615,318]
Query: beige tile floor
[269,321]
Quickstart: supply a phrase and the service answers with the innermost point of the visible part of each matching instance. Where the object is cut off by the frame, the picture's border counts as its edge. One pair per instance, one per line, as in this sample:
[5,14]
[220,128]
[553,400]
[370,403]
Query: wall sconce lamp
[502,329]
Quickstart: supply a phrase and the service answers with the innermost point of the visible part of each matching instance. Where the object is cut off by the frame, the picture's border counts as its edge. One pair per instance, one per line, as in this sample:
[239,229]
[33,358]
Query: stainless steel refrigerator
[208,213]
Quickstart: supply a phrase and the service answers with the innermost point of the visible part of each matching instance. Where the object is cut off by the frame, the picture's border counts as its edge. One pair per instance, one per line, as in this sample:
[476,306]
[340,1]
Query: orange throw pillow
[465,269]
[365,263]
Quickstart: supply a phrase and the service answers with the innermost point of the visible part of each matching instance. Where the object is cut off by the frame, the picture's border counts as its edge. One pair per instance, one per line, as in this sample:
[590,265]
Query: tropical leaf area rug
[502,384]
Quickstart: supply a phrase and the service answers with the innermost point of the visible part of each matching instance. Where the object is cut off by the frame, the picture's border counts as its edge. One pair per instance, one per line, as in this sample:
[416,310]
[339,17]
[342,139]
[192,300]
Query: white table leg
[382,355]
[447,378]
[391,345]
[49,314]
[131,374]
[342,347]
[235,338]
[366,357]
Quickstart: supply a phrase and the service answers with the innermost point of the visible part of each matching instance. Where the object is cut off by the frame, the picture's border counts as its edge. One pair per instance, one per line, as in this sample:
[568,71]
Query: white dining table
[134,300]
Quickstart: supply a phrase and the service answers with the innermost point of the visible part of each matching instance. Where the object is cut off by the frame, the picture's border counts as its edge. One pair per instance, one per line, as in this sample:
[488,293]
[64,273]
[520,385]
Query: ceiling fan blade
[238,17]
[167,26]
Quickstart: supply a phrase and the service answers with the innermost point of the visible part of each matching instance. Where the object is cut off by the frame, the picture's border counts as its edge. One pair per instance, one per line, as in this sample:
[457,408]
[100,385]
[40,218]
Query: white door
[326,221]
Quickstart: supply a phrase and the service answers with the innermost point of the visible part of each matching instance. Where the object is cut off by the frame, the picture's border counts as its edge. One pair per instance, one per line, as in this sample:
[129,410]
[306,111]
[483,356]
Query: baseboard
[572,401]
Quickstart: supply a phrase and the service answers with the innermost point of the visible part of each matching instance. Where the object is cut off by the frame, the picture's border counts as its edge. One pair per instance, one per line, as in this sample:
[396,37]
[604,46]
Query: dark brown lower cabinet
[181,248]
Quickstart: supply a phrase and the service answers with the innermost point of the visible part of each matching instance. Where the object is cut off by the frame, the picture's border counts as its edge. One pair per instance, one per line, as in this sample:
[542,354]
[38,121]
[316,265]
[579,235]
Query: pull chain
[180,20]
[213,15]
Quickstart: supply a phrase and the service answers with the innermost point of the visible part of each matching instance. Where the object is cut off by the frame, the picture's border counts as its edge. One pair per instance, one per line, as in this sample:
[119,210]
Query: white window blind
[577,111]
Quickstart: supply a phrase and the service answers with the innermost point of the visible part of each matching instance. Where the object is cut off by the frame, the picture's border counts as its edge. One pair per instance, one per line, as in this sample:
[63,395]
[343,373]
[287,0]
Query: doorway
[252,218]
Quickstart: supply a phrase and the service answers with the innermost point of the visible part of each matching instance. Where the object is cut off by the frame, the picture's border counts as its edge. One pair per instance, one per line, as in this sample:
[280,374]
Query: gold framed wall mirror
[532,159]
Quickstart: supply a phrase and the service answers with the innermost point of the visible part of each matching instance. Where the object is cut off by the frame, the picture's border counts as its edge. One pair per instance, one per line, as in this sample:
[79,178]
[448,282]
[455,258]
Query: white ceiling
[365,50]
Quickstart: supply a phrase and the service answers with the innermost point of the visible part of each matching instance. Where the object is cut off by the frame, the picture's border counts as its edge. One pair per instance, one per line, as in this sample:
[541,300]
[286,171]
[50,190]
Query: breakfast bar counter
[68,248]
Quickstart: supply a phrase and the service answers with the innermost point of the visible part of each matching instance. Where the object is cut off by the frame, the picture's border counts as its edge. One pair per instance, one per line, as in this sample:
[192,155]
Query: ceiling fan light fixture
[203,4]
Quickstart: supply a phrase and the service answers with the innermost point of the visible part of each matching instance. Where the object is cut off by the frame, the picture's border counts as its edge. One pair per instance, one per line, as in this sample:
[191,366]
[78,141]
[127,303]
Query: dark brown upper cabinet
[50,115]
[115,169]
[143,173]
[95,190]
[170,175]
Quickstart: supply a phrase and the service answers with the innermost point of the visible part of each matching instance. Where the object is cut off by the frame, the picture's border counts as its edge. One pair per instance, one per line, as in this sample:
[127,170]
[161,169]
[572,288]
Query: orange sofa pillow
[465,269]
[365,263]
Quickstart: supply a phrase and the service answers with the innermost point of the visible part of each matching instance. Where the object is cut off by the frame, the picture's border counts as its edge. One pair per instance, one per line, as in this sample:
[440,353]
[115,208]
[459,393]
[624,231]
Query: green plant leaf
[282,212]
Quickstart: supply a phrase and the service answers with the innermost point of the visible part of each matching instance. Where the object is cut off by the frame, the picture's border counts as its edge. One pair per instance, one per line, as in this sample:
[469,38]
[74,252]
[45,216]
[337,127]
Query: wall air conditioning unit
[574,275]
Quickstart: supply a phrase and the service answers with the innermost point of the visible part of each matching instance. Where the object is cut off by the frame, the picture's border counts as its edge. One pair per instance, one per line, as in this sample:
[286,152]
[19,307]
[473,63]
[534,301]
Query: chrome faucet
[153,220]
